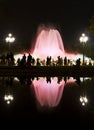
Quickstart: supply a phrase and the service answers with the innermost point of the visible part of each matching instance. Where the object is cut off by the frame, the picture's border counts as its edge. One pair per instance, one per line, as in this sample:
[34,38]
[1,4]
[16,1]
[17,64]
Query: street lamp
[83,39]
[10,39]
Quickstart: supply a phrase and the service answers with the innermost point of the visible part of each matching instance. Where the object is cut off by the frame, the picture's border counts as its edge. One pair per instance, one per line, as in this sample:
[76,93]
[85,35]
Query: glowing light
[49,43]
[10,38]
[10,35]
[8,102]
[83,38]
[8,98]
[83,100]
[70,80]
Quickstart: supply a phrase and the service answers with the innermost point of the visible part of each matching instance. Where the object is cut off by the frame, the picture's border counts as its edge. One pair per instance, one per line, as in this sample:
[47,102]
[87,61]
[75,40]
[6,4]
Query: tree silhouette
[90,29]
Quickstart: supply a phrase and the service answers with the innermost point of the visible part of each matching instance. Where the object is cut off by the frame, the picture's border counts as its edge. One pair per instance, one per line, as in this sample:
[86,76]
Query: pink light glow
[70,80]
[48,94]
[48,43]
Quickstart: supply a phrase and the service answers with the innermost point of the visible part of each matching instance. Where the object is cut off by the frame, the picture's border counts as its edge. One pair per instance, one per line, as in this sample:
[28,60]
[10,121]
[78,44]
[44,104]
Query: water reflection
[83,97]
[59,95]
[8,95]
[49,90]
[83,100]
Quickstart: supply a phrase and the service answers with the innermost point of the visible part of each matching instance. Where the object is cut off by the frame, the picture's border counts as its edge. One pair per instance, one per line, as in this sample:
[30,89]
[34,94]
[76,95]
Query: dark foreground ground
[47,71]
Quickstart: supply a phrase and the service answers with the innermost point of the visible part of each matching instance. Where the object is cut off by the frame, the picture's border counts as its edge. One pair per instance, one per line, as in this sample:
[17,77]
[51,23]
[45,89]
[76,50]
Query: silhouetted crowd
[29,60]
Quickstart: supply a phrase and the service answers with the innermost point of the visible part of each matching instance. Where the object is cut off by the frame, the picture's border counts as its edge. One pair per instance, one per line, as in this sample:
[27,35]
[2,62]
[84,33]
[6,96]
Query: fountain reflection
[47,98]
[49,90]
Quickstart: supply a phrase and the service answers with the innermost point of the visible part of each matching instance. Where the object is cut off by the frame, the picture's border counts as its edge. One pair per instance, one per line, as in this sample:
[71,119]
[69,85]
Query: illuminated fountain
[48,43]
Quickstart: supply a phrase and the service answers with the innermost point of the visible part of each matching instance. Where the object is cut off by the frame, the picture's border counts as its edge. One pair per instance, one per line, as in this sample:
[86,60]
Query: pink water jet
[48,94]
[48,43]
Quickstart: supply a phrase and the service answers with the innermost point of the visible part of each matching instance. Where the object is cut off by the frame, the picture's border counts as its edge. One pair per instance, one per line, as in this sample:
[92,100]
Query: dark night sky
[22,18]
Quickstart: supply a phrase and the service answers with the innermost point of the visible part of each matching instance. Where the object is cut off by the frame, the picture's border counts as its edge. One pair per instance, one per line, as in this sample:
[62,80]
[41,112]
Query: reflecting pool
[65,98]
